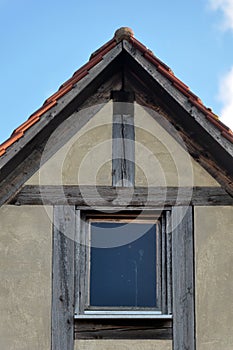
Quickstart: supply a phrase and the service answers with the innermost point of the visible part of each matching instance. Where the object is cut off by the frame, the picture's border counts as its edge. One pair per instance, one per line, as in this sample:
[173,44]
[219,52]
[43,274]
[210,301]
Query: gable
[206,139]
[163,160]
[86,159]
[121,136]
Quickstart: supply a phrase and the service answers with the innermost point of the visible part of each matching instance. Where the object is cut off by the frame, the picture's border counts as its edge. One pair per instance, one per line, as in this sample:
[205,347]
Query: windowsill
[138,326]
[122,315]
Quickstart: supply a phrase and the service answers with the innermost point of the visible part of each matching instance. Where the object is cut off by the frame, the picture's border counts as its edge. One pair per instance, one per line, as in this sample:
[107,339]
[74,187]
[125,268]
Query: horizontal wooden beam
[123,329]
[107,196]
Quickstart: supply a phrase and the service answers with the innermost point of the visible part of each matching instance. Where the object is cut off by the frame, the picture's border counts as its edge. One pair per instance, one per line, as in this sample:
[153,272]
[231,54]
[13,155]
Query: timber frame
[203,140]
[123,136]
[145,84]
[66,247]
[118,196]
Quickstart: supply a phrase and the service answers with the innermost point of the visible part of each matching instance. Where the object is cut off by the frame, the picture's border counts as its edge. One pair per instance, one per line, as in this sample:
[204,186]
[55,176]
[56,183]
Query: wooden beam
[63,278]
[24,157]
[104,196]
[203,139]
[41,152]
[63,102]
[123,329]
[183,278]
[180,98]
[169,261]
[123,136]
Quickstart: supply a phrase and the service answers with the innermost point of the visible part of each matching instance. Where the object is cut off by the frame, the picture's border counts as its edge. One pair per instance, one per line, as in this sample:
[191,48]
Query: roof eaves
[120,35]
[52,100]
[183,88]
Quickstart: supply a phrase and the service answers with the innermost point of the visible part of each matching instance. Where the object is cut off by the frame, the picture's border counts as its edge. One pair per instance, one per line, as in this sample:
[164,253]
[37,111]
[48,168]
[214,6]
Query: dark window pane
[123,275]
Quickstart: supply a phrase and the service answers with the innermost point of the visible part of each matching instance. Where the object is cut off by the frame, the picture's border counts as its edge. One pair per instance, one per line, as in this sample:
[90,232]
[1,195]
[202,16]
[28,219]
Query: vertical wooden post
[169,261]
[63,278]
[183,279]
[123,148]
[164,265]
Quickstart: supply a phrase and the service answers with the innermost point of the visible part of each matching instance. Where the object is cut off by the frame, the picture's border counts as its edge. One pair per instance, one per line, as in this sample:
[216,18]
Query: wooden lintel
[107,196]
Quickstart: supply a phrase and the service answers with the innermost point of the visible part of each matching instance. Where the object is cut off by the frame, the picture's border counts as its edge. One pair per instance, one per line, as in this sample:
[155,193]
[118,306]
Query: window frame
[180,328]
[164,262]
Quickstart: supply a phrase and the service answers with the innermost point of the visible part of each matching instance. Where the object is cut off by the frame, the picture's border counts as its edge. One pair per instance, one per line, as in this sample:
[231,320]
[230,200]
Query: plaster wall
[160,159]
[25,283]
[123,345]
[26,237]
[214,277]
[86,159]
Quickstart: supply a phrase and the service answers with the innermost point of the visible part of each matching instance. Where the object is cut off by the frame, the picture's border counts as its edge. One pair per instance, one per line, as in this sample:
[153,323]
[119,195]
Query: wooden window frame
[163,266]
[65,328]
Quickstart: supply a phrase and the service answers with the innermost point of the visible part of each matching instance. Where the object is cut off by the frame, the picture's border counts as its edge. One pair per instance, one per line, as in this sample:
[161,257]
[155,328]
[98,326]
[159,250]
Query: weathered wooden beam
[42,151]
[169,261]
[123,329]
[183,278]
[63,278]
[24,157]
[104,196]
[123,136]
[180,98]
[202,138]
[79,87]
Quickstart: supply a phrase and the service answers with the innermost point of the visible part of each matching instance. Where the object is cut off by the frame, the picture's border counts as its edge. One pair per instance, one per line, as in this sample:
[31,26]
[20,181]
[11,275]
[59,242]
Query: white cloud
[226,83]
[226,97]
[226,6]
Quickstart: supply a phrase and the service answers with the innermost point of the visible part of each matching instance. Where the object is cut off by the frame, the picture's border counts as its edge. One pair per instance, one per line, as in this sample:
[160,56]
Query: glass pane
[123,275]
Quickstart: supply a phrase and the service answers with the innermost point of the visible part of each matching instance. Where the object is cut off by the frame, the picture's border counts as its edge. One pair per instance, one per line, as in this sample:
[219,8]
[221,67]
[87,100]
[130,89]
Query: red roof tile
[95,58]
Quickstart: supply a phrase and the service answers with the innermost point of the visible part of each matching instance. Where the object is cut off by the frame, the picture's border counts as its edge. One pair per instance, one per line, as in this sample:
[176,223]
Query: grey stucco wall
[25,283]
[214,277]
[123,345]
[26,240]
[86,159]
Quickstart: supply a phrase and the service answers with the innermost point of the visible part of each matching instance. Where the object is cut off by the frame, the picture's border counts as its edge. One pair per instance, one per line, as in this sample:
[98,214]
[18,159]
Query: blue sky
[44,42]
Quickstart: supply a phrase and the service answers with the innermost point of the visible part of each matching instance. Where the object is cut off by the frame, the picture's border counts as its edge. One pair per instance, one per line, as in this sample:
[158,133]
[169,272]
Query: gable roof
[120,35]
[208,140]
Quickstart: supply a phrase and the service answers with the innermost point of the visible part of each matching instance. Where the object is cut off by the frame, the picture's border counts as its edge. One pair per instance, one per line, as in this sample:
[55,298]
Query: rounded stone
[123,33]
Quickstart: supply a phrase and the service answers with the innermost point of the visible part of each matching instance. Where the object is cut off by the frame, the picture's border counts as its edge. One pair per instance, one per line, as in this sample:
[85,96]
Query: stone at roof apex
[123,33]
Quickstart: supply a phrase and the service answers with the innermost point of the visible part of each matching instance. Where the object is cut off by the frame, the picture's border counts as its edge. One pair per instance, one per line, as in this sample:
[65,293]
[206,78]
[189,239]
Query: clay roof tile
[123,33]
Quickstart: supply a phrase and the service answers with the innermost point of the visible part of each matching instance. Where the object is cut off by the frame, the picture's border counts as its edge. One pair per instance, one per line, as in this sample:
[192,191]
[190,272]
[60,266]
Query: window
[170,314]
[123,265]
